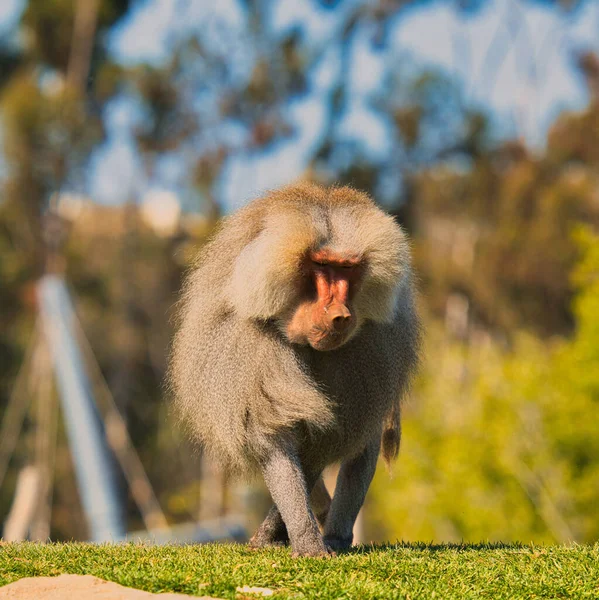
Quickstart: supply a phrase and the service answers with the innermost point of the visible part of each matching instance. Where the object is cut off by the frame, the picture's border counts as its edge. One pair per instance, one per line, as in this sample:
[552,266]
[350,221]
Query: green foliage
[502,445]
[574,391]
[49,127]
[398,571]
[46,134]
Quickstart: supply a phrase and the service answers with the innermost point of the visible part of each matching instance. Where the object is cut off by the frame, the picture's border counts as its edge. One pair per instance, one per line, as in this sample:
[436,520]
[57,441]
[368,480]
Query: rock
[79,587]
[260,591]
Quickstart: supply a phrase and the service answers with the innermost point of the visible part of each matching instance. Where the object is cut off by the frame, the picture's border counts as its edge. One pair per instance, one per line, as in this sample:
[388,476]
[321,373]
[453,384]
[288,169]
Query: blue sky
[530,45]
[433,34]
[9,13]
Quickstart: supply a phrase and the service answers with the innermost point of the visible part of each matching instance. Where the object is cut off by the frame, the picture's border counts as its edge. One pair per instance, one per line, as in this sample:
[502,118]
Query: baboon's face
[325,318]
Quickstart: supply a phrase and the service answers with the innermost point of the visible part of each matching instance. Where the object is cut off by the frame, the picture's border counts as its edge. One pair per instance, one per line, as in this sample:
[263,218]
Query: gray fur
[257,402]
[353,481]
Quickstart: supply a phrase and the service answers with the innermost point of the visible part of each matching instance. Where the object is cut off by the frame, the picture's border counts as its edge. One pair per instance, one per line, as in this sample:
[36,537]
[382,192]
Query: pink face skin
[325,319]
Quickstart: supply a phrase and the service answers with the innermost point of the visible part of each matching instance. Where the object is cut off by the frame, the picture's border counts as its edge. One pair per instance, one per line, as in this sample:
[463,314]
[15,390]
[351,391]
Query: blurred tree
[495,230]
[502,446]
[499,235]
[491,224]
[50,109]
[51,117]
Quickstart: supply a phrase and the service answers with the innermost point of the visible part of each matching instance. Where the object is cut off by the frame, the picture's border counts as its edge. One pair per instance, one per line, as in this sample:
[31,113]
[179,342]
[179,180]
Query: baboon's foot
[254,545]
[272,531]
[338,544]
[328,553]
[264,538]
[311,546]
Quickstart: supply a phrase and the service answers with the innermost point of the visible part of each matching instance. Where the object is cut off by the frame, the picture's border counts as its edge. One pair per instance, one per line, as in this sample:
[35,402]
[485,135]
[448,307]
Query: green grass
[396,571]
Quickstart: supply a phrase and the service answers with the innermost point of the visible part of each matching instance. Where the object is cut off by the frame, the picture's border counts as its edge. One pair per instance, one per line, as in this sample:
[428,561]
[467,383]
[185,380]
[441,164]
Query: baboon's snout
[339,317]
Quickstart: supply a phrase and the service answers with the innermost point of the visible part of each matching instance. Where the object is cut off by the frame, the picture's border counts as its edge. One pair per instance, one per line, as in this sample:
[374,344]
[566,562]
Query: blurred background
[128,128]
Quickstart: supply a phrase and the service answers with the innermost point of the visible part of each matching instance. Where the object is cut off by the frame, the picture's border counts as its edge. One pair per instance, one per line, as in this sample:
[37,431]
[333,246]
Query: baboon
[297,339]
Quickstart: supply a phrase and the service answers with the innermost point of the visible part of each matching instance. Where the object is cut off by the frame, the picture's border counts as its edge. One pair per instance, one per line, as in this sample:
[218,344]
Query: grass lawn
[396,571]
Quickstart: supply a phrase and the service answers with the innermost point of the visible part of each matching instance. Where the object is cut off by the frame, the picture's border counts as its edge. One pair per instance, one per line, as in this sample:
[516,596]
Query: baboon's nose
[340,317]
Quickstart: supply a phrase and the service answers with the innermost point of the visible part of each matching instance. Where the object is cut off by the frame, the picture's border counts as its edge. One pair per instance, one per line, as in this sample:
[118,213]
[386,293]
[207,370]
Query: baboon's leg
[272,531]
[353,481]
[287,485]
[321,501]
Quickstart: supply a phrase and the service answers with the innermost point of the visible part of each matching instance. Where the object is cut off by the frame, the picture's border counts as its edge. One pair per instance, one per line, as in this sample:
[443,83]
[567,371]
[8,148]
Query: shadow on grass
[431,547]
[458,547]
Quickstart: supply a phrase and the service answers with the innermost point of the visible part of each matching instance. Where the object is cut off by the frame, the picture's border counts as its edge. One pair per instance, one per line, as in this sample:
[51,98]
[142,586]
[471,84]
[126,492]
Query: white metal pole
[94,471]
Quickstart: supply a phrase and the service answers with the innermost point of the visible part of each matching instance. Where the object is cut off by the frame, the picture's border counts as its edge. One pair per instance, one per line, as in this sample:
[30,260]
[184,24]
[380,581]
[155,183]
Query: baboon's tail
[391,436]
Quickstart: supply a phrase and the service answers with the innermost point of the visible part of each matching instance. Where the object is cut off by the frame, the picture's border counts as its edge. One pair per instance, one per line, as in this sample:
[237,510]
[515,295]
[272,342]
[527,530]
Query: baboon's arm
[287,486]
[353,481]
